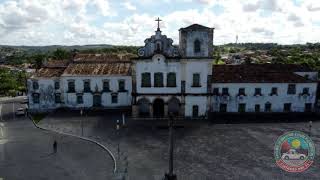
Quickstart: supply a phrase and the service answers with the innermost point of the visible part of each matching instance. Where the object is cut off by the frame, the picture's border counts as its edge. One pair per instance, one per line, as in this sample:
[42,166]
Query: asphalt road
[26,152]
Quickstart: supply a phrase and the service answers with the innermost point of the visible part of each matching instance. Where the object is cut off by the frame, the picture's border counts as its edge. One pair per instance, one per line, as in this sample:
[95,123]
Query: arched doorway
[144,107]
[158,108]
[174,106]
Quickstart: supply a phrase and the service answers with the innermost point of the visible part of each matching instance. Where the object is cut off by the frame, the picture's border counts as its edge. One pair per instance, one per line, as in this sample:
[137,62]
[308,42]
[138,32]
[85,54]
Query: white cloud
[76,5]
[262,31]
[251,7]
[269,5]
[21,15]
[295,19]
[205,1]
[129,6]
[103,6]
[39,22]
[312,5]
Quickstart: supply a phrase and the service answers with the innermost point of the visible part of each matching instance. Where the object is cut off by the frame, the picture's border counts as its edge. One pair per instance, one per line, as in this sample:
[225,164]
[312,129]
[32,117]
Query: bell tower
[196,41]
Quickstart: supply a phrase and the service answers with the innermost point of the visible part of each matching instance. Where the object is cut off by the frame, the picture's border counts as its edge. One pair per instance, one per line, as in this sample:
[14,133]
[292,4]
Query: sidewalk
[26,152]
[93,139]
[6,98]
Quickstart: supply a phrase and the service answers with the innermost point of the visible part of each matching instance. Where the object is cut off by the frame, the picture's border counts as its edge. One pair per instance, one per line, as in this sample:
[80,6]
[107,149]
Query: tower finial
[158,19]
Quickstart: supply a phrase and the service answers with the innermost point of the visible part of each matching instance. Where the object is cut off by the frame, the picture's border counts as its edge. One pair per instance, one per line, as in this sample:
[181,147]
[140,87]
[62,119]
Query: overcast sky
[129,22]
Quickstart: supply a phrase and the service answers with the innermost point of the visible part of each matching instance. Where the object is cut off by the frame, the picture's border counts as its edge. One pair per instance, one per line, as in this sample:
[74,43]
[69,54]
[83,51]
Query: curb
[83,138]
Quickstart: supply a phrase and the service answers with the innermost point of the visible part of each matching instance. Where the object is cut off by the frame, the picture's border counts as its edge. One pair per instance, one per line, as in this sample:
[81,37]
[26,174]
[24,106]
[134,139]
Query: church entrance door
[158,108]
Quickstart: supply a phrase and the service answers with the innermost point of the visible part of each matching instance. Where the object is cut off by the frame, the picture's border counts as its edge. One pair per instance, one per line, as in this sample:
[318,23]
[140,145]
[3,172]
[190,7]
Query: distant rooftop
[264,68]
[260,73]
[48,72]
[56,63]
[98,58]
[121,68]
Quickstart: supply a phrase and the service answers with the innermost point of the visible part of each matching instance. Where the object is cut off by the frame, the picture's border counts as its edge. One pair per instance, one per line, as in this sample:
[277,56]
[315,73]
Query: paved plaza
[203,150]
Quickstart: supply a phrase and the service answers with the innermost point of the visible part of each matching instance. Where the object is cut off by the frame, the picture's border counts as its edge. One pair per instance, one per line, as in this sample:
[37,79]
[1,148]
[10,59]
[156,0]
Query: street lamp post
[81,113]
[170,175]
[122,172]
[310,126]
[118,134]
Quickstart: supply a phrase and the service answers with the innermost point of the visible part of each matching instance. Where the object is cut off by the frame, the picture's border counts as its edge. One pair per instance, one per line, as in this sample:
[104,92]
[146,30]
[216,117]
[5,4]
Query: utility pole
[170,175]
[237,38]
[123,120]
[0,111]
[13,110]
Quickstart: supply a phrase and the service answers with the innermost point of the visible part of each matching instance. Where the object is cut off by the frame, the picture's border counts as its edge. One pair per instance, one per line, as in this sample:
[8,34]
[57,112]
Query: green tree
[7,81]
[38,60]
[61,54]
[12,81]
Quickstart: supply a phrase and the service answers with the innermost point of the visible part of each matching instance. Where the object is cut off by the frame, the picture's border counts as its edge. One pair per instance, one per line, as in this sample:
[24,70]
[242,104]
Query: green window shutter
[171,80]
[158,80]
[146,80]
[196,80]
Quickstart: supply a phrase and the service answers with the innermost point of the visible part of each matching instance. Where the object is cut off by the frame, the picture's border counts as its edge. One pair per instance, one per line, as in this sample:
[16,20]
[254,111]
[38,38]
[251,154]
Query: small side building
[89,81]
[98,85]
[44,92]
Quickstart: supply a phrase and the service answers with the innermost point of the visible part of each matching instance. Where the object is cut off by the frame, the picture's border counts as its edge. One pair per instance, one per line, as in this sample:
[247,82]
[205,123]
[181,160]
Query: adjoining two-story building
[263,88]
[166,78]
[85,82]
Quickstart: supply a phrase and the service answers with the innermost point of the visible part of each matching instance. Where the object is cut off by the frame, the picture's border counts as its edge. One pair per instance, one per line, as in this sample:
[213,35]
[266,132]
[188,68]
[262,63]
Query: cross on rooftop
[158,23]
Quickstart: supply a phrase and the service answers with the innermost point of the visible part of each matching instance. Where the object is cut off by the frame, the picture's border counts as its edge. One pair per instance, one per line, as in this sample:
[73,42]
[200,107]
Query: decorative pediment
[158,44]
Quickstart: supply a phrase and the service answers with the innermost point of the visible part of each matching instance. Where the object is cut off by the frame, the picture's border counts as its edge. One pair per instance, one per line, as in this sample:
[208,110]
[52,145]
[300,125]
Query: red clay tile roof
[259,73]
[98,69]
[264,68]
[47,72]
[103,58]
[57,63]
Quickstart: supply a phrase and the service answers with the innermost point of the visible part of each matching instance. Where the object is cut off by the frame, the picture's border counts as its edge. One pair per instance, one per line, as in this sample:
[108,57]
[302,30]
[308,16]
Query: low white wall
[200,101]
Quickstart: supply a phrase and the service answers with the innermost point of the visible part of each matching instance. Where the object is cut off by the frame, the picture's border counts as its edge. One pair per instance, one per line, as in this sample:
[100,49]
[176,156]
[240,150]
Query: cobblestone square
[204,150]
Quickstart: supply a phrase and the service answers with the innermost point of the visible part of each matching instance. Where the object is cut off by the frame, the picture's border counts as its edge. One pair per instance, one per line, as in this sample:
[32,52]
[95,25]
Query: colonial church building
[165,78]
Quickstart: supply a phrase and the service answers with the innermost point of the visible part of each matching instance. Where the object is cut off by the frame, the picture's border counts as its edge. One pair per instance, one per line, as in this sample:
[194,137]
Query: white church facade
[165,79]
[174,79]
